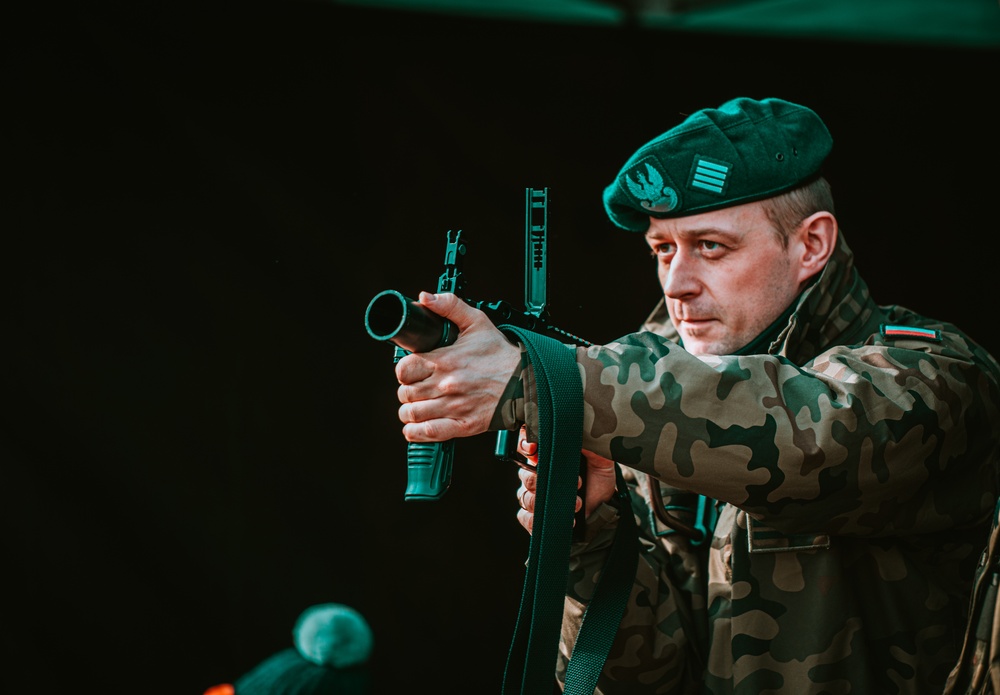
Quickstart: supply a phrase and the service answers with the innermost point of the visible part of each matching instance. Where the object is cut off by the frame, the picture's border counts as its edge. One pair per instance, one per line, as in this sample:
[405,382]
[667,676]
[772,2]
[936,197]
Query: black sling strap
[534,648]
[605,610]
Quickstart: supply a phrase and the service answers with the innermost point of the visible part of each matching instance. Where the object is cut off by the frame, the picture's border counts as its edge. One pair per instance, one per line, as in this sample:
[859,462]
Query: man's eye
[711,245]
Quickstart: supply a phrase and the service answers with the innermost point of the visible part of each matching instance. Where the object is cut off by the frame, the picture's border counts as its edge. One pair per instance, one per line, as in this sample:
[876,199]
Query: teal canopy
[955,23]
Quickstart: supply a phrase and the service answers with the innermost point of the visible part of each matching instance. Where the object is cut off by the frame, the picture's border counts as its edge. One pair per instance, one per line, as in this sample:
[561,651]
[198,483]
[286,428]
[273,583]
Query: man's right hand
[600,483]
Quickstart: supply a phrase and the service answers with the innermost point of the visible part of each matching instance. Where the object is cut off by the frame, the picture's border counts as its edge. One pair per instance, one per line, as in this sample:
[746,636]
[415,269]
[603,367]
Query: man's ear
[817,237]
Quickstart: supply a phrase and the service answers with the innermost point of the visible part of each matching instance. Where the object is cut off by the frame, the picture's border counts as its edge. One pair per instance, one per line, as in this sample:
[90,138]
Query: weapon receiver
[396,318]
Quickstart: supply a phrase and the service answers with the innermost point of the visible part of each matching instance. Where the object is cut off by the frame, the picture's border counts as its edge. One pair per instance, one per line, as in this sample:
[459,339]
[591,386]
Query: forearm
[782,441]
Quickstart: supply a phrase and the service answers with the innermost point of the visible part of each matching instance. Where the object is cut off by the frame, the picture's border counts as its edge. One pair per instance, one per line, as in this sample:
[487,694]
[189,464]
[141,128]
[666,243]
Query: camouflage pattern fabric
[855,478]
[978,669]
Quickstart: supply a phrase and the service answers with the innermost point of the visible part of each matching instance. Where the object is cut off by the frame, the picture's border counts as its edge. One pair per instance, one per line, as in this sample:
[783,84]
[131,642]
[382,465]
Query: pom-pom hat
[332,644]
[745,150]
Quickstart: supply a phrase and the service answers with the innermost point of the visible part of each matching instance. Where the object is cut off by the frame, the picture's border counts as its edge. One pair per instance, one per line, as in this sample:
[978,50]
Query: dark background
[198,437]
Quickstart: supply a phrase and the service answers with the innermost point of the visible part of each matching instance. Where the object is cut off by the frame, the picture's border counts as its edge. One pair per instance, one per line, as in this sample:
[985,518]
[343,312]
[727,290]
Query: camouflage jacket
[853,471]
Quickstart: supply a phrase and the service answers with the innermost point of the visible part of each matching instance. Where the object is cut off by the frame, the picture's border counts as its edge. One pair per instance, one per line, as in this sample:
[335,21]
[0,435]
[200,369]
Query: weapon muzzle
[394,317]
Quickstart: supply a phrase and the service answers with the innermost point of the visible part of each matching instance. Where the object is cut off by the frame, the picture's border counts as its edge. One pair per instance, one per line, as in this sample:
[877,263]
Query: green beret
[745,150]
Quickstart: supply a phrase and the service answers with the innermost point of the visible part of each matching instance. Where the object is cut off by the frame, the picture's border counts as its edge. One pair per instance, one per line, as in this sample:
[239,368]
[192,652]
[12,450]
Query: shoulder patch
[890,330]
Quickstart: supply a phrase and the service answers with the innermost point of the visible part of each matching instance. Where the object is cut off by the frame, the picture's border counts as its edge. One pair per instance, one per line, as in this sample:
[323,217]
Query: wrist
[517,402]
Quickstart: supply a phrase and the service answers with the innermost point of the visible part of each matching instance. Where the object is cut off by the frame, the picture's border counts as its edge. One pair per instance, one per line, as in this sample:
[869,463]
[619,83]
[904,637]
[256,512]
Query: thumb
[601,481]
[450,306]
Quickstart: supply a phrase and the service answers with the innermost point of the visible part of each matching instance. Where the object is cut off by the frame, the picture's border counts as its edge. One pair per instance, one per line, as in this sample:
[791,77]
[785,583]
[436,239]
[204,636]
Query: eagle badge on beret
[650,187]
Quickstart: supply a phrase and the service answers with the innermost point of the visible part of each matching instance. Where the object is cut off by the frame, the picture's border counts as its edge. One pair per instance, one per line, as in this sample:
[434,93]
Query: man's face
[725,276]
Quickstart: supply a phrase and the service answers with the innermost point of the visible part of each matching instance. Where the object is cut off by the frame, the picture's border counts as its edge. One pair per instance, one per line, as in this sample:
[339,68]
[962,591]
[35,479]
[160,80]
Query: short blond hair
[788,209]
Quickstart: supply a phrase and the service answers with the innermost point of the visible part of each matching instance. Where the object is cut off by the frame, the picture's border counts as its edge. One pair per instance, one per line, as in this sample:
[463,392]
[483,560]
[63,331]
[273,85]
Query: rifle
[393,317]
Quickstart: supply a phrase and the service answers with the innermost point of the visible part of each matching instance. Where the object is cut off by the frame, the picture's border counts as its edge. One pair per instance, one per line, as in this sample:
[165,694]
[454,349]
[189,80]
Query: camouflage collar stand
[745,150]
[837,309]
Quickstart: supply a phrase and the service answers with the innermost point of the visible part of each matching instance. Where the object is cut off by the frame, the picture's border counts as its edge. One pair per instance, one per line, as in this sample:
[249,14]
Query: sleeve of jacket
[876,439]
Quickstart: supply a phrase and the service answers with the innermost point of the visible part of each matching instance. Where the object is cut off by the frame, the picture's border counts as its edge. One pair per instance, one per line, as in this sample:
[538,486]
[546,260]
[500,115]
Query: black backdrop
[198,437]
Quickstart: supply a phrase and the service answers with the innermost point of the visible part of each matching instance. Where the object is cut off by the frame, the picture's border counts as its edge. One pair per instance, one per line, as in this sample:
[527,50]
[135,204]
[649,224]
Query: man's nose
[680,278]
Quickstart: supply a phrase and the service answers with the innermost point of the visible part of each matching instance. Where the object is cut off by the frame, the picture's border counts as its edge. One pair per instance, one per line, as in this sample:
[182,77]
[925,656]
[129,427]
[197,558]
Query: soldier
[813,475]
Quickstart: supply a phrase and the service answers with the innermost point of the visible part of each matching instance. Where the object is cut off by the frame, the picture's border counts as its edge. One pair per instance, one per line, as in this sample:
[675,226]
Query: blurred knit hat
[745,150]
[331,647]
